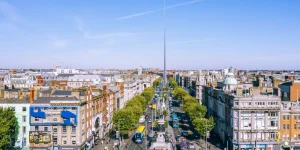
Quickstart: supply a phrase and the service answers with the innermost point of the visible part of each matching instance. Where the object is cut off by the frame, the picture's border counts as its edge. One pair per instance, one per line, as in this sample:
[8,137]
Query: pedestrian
[126,146]
[102,142]
[106,141]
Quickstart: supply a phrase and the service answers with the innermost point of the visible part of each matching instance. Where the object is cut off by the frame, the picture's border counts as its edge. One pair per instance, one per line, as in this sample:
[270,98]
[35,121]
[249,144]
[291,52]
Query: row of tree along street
[195,111]
[8,126]
[126,118]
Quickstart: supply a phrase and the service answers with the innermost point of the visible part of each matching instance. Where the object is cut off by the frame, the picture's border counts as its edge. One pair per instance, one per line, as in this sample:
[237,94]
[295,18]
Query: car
[185,133]
[191,145]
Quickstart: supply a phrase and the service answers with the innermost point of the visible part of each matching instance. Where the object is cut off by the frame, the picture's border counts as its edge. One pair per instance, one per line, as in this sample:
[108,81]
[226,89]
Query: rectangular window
[73,129]
[64,128]
[287,117]
[36,119]
[64,139]
[284,126]
[36,128]
[284,117]
[24,108]
[54,119]
[24,129]
[13,108]
[73,140]
[55,129]
[24,118]
[55,139]
[45,128]
[288,126]
[295,126]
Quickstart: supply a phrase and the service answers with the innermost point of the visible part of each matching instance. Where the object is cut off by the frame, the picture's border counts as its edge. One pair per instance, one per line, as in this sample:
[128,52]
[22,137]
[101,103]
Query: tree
[179,93]
[173,84]
[165,112]
[202,125]
[9,126]
[156,82]
[166,124]
[124,118]
[148,95]
[195,110]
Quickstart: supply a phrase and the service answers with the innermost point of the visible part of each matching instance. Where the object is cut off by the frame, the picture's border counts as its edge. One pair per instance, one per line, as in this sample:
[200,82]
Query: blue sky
[208,34]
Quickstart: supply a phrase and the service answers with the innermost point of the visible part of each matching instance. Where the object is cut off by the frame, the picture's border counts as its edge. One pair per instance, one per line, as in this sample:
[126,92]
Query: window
[273,124]
[284,126]
[287,117]
[54,119]
[73,129]
[45,128]
[288,126]
[295,126]
[36,119]
[24,118]
[24,129]
[64,128]
[236,103]
[36,128]
[13,108]
[285,94]
[64,139]
[73,139]
[24,108]
[295,117]
[272,135]
[55,129]
[55,139]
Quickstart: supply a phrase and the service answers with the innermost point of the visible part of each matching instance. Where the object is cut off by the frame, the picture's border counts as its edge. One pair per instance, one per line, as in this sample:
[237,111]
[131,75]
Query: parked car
[191,145]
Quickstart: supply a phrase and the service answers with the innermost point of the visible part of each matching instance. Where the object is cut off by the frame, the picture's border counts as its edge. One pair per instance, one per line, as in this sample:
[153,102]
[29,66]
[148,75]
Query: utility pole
[206,134]
[146,133]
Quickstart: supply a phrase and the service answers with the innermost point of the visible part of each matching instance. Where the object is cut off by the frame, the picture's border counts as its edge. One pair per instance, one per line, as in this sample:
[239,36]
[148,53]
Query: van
[142,119]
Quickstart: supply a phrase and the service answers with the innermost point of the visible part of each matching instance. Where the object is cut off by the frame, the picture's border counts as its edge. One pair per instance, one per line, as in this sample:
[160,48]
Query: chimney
[31,96]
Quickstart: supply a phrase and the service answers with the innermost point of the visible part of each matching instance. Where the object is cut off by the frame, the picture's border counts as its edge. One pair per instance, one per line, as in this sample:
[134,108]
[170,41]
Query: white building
[14,81]
[77,81]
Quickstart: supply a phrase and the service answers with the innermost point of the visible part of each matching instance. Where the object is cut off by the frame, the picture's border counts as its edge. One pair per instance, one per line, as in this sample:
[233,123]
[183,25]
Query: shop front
[291,145]
[257,146]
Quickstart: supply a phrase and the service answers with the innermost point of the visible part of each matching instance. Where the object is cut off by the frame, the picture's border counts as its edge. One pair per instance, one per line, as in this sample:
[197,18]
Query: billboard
[39,137]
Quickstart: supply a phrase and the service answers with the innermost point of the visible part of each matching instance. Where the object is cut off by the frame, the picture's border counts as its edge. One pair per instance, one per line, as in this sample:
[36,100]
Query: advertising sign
[39,137]
[96,122]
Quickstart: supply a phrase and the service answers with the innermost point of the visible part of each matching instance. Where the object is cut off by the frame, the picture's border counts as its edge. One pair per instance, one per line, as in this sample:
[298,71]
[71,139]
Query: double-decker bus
[139,134]
[175,120]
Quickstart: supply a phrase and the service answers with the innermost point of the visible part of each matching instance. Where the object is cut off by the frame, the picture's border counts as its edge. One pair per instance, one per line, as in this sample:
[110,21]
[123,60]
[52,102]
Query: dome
[230,74]
[230,80]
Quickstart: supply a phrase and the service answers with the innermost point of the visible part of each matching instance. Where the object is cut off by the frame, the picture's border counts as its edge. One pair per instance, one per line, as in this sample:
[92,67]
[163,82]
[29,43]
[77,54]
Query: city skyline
[206,34]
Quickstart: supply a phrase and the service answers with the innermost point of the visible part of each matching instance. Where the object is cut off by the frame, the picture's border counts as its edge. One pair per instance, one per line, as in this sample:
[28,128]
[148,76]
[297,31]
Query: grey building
[245,120]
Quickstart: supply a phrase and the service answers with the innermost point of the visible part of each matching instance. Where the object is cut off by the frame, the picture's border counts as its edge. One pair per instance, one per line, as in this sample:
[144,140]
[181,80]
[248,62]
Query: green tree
[173,84]
[165,112]
[9,126]
[156,82]
[148,95]
[179,93]
[195,110]
[124,119]
[166,124]
[202,125]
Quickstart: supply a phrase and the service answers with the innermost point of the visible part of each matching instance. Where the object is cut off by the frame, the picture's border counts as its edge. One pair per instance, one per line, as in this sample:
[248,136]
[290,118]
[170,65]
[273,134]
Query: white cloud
[9,12]
[184,42]
[108,35]
[59,43]
[152,11]
[79,23]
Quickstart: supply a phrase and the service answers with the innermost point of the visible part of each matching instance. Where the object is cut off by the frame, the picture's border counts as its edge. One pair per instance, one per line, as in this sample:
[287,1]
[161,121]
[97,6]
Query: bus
[175,120]
[154,106]
[139,134]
